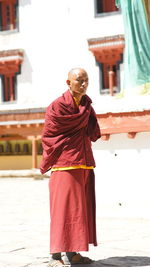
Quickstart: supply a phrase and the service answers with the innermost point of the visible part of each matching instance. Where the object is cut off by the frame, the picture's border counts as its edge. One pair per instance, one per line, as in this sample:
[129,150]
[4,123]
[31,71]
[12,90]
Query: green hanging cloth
[136,16]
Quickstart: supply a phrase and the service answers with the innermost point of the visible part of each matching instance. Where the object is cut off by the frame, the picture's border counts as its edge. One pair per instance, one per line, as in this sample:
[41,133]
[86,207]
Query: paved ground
[24,230]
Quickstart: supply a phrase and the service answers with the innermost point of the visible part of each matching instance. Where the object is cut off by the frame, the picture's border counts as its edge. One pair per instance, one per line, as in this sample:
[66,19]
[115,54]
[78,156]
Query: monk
[70,126]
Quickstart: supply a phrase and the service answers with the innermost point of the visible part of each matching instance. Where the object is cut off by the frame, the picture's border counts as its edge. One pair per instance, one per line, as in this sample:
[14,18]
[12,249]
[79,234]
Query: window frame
[9,91]
[103,14]
[106,91]
[13,16]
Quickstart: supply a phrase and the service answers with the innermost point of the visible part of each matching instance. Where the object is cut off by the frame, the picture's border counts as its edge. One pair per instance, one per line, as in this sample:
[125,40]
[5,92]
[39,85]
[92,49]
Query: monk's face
[78,82]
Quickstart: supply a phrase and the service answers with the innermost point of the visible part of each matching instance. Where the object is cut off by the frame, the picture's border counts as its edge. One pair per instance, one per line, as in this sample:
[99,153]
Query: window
[9,87]
[105,71]
[8,15]
[17,148]
[108,52]
[1,148]
[25,148]
[40,148]
[105,75]
[10,67]
[8,148]
[105,6]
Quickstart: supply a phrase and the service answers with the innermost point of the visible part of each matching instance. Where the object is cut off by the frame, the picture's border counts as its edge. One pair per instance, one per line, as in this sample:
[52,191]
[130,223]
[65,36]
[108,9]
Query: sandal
[79,259]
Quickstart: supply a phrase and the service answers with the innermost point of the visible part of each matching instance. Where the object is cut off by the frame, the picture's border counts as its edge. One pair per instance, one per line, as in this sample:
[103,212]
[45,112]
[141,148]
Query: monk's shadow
[127,261]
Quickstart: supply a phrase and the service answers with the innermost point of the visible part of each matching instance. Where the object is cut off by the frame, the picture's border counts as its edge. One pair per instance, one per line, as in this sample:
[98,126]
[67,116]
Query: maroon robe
[68,133]
[72,210]
[66,141]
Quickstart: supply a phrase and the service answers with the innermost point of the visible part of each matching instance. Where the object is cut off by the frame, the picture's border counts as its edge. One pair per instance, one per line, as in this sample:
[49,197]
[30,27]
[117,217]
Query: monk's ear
[68,82]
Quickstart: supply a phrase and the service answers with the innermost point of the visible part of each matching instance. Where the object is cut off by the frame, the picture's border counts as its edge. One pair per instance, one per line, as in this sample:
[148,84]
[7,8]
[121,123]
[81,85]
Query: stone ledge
[33,173]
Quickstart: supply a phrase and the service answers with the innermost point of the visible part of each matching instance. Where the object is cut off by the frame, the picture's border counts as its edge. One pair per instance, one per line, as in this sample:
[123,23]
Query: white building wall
[54,39]
[123,176]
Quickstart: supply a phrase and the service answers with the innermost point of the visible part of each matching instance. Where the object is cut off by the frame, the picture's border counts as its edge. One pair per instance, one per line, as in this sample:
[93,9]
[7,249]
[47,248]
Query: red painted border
[128,122]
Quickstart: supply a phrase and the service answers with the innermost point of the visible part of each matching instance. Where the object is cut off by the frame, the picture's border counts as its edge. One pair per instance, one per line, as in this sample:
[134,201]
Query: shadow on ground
[128,261]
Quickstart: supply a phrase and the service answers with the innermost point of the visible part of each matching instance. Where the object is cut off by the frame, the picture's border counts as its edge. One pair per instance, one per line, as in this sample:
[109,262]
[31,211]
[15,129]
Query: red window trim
[105,74]
[8,14]
[9,87]
[106,6]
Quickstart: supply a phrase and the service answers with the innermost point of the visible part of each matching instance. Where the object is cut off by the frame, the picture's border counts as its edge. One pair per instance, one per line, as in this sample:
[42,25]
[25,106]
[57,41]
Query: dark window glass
[8,147]
[105,6]
[104,77]
[40,149]
[26,148]
[8,15]
[9,87]
[17,148]
[1,149]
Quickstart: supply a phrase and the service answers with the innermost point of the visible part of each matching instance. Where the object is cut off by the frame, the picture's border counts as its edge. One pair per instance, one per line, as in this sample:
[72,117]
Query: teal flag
[136,15]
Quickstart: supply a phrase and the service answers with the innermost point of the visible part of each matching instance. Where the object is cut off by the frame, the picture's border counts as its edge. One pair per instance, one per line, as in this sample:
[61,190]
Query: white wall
[123,175]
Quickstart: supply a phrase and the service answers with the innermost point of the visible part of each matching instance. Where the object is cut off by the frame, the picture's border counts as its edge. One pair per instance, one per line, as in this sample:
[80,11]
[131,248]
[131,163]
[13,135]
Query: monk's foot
[77,258]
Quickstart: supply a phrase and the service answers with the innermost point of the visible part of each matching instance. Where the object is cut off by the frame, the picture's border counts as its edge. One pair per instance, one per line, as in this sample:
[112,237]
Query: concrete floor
[24,230]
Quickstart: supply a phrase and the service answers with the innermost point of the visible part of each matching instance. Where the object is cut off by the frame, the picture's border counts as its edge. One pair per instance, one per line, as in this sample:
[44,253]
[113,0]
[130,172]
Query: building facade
[39,44]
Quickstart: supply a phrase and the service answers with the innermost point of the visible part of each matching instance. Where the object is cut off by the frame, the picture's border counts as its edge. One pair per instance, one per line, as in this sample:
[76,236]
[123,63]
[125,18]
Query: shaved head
[75,71]
[78,82]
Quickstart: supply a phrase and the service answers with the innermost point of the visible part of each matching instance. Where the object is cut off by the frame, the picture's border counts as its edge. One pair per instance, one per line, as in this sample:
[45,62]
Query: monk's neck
[76,96]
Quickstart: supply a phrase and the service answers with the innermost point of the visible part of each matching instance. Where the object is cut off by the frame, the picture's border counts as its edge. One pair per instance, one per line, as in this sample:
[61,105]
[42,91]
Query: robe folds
[68,132]
[72,210]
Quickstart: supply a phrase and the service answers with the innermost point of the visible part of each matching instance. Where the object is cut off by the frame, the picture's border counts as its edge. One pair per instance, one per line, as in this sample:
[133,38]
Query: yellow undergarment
[72,167]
